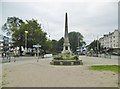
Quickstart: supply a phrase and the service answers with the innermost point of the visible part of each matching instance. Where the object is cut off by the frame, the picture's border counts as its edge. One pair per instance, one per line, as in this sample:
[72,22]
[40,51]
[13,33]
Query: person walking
[8,55]
[15,54]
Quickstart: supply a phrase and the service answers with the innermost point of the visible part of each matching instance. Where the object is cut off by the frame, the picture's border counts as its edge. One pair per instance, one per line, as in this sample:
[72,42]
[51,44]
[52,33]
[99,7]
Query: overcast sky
[91,19]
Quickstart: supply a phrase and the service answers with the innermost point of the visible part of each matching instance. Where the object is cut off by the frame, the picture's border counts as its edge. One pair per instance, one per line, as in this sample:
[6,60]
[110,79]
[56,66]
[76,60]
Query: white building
[1,42]
[111,40]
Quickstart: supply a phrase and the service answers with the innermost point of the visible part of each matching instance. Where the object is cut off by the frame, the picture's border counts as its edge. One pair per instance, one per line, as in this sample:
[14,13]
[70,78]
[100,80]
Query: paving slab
[30,73]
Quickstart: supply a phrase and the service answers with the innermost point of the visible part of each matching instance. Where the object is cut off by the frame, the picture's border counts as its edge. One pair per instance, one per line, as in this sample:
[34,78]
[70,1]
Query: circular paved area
[30,73]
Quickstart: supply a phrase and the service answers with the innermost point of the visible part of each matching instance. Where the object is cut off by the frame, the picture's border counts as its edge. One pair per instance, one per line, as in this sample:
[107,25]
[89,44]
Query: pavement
[98,60]
[27,72]
[0,72]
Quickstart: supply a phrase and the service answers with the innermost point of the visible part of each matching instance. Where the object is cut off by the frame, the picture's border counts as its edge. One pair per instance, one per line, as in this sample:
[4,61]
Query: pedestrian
[8,55]
[3,55]
[15,54]
[43,52]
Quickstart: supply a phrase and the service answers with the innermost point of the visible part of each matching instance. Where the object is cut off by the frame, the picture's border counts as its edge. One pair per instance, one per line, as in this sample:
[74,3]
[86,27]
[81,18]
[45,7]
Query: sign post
[38,51]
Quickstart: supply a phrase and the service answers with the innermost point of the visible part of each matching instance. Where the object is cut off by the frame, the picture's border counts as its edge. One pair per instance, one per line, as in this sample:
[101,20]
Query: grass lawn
[114,68]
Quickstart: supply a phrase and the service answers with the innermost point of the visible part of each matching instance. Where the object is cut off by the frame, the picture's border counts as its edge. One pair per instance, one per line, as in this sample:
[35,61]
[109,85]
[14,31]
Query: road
[23,58]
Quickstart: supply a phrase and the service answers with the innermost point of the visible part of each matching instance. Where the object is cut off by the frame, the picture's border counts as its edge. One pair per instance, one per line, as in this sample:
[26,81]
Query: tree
[16,28]
[60,45]
[51,46]
[35,34]
[54,46]
[95,45]
[48,46]
[76,40]
[12,24]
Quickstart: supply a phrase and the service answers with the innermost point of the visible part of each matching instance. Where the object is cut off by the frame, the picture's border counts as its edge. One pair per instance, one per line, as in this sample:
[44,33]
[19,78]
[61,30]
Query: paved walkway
[0,72]
[98,61]
[30,73]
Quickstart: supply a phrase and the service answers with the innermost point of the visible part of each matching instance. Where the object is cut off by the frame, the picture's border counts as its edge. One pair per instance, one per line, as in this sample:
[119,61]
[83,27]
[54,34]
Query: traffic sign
[36,46]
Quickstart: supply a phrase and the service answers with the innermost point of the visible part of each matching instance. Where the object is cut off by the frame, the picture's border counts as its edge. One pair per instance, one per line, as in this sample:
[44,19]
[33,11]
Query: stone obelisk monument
[66,45]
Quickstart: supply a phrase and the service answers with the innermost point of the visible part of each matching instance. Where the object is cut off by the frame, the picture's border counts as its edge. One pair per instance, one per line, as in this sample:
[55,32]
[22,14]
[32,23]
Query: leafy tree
[16,28]
[60,45]
[35,34]
[48,46]
[95,45]
[76,40]
[12,24]
[54,46]
[51,46]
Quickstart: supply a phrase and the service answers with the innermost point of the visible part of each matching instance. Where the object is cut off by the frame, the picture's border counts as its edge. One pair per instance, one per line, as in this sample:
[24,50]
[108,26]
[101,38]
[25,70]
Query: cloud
[92,19]
[60,0]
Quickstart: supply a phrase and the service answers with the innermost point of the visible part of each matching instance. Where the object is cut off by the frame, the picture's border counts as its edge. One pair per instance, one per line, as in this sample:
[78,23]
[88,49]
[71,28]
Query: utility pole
[78,46]
[97,46]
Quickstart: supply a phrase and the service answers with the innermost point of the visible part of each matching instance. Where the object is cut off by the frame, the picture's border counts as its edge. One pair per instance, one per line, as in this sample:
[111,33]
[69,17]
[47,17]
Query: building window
[114,45]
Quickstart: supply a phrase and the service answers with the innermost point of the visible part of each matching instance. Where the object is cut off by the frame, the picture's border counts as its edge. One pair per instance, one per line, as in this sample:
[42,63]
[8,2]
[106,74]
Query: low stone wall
[66,62]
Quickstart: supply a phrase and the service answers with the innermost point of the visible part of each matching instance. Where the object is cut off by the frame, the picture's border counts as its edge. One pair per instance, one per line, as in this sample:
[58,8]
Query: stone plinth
[66,62]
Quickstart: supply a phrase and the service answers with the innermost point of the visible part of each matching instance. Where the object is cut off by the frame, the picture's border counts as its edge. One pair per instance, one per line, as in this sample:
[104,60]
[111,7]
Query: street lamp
[26,32]
[78,45]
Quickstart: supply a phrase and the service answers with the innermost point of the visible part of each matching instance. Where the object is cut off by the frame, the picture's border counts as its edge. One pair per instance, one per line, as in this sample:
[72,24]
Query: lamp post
[78,45]
[26,32]
[97,48]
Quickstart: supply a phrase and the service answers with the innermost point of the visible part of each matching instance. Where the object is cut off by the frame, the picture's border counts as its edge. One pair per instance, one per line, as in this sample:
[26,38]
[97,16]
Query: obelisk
[66,45]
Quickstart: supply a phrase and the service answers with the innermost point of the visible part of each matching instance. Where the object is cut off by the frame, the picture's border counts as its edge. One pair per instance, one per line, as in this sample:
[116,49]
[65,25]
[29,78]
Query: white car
[48,55]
